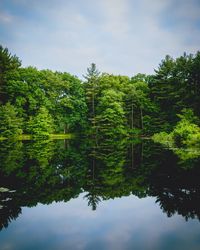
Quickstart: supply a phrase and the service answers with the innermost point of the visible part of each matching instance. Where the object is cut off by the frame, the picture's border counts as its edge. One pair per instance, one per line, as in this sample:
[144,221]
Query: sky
[123,37]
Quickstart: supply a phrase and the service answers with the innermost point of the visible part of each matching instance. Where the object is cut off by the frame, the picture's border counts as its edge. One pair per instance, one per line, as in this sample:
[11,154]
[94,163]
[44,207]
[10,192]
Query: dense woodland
[43,102]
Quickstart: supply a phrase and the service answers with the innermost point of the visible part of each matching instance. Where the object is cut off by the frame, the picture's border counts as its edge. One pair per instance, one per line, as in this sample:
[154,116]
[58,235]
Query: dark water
[112,195]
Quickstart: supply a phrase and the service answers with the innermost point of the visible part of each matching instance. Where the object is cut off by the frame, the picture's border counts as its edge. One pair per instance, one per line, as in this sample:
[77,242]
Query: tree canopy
[102,105]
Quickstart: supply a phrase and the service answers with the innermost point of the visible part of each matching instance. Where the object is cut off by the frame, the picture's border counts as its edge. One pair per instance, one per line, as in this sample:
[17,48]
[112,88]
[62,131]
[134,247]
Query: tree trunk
[132,116]
[65,128]
[141,117]
[132,156]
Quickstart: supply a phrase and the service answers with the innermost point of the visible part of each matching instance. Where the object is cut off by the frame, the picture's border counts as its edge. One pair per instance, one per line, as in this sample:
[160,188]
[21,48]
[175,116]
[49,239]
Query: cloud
[115,15]
[120,36]
[5,18]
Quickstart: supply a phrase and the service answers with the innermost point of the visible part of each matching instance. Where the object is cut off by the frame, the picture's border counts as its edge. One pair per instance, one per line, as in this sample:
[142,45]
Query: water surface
[106,195]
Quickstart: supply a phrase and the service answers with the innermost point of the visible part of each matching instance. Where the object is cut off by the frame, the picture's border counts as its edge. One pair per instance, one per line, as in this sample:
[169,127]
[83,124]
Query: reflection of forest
[47,171]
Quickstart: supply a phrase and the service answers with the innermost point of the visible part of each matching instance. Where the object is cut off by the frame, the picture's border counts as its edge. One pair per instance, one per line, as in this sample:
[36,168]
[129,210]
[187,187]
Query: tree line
[43,102]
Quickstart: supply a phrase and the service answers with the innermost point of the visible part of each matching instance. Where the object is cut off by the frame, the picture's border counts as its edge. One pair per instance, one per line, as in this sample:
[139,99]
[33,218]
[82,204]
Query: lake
[84,194]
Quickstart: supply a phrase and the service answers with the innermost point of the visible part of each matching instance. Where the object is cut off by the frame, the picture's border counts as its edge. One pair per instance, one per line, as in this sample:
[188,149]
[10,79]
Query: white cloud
[5,18]
[120,36]
[115,15]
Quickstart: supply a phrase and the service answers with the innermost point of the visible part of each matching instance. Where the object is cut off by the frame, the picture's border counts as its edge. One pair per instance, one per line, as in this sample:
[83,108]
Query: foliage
[41,125]
[105,104]
[185,154]
[163,138]
[29,90]
[185,133]
[175,86]
[8,66]
[108,108]
[10,123]
[111,116]
[70,105]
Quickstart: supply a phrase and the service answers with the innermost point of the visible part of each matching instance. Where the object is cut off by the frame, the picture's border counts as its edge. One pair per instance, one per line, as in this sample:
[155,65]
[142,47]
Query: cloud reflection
[125,223]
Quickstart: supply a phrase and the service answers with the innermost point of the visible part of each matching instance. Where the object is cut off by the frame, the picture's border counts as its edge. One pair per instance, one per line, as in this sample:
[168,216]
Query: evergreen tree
[10,124]
[91,90]
[111,116]
[8,65]
[41,125]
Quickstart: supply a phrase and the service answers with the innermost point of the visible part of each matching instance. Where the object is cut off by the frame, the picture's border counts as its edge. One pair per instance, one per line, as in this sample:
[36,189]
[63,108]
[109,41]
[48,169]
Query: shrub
[183,132]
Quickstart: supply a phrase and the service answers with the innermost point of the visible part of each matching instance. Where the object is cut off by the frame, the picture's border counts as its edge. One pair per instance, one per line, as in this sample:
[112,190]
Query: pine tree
[8,64]
[41,125]
[91,89]
[10,124]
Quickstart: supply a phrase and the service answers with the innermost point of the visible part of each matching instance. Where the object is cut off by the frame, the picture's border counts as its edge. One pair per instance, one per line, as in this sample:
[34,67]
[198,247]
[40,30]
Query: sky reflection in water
[137,195]
[122,223]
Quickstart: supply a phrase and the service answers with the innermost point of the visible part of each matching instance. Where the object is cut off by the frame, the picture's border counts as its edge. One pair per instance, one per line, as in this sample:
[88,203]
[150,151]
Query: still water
[81,194]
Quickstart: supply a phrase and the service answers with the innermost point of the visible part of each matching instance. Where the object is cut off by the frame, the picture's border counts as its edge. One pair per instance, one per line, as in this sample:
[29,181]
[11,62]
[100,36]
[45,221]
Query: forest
[41,103]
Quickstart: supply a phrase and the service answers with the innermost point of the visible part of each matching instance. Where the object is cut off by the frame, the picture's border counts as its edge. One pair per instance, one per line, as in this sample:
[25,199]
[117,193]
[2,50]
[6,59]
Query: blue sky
[121,36]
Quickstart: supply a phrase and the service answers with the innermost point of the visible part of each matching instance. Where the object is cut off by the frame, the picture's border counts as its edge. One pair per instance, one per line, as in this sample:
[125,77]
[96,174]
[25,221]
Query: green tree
[91,90]
[10,123]
[163,88]
[175,86]
[41,125]
[71,103]
[27,91]
[186,132]
[8,65]
[111,116]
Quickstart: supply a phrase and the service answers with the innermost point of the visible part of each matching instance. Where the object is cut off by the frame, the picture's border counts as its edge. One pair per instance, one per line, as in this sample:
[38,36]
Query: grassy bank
[25,137]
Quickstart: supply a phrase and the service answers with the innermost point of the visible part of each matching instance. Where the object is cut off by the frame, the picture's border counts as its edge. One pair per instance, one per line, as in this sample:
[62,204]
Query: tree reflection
[47,171]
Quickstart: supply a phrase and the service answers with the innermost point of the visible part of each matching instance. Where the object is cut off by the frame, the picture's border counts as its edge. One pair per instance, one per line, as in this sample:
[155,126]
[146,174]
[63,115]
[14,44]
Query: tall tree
[10,123]
[111,115]
[8,64]
[41,125]
[175,86]
[91,89]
